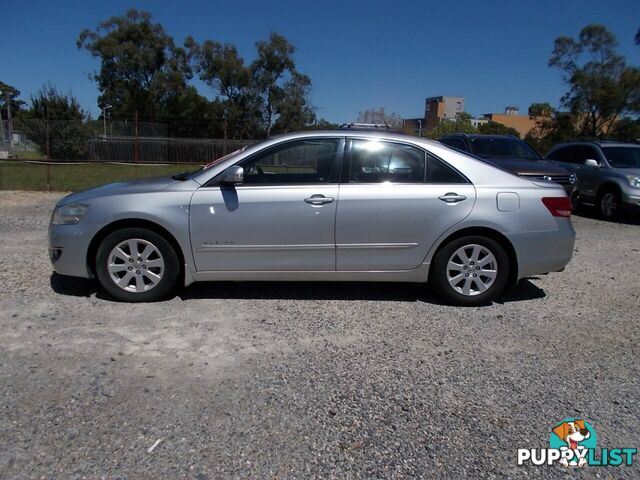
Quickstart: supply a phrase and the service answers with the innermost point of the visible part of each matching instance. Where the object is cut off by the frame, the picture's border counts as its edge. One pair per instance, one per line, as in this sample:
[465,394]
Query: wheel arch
[92,251]
[495,235]
[607,186]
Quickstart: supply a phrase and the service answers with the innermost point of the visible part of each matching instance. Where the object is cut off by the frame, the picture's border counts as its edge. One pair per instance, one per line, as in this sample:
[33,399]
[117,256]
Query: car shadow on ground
[629,217]
[397,292]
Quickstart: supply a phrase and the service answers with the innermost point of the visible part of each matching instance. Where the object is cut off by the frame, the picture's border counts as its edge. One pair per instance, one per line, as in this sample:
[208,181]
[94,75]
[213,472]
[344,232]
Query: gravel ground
[256,380]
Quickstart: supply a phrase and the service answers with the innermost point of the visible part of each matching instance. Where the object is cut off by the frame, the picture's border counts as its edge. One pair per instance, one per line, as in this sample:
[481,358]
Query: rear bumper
[543,252]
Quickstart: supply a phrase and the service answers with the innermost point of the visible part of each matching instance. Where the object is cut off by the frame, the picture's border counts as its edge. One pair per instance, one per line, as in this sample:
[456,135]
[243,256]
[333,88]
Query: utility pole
[10,127]
[105,106]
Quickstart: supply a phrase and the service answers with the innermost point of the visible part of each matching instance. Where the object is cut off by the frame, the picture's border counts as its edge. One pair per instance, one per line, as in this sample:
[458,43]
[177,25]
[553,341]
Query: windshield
[622,157]
[503,148]
[188,175]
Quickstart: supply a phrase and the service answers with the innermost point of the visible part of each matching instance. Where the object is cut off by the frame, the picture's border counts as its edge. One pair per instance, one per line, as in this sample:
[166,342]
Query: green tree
[223,69]
[12,93]
[497,128]
[141,69]
[380,116]
[293,108]
[56,123]
[601,85]
[462,124]
[551,127]
[626,129]
[282,90]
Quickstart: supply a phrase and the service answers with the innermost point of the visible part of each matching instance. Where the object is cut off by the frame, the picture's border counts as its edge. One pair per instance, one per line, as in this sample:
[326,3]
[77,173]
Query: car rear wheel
[609,204]
[137,265]
[470,271]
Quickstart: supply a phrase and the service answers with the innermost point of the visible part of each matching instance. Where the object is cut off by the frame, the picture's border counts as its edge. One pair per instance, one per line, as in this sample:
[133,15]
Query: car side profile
[608,173]
[319,206]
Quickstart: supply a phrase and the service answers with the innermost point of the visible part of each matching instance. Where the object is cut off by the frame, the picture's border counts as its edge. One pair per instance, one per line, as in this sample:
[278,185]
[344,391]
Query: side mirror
[232,175]
[590,162]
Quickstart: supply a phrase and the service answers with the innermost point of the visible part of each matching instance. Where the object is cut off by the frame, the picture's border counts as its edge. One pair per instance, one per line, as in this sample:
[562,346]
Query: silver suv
[314,206]
[608,173]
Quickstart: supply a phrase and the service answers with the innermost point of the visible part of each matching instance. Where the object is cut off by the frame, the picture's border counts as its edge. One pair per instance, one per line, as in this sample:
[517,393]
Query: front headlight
[573,179]
[68,214]
[634,180]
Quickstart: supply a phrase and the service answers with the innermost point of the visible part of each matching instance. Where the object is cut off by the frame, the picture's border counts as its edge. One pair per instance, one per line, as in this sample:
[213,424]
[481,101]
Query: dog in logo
[572,433]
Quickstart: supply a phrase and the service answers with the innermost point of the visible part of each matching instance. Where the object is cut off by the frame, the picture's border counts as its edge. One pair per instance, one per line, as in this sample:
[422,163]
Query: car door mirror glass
[590,162]
[232,175]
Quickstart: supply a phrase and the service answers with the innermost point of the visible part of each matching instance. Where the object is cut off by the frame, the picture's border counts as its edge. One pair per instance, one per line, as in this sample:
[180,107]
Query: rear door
[395,201]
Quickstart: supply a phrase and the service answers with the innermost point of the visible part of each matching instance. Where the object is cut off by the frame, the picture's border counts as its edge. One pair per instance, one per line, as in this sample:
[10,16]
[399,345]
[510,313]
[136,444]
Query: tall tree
[551,127]
[601,85]
[292,107]
[141,69]
[223,69]
[380,116]
[270,71]
[7,91]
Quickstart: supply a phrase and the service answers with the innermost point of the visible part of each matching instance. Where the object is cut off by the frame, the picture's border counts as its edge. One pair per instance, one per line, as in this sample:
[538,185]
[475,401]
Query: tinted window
[299,162]
[487,147]
[440,172]
[572,154]
[622,157]
[373,161]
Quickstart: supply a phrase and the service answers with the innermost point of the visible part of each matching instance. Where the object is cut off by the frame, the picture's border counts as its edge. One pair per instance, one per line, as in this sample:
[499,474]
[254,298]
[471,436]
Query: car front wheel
[137,265]
[470,271]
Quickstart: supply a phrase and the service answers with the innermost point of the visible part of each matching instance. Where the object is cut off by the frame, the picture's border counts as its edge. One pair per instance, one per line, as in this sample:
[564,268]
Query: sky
[359,54]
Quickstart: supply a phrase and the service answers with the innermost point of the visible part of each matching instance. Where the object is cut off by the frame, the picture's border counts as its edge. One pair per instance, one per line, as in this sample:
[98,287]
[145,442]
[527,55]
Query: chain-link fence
[126,141]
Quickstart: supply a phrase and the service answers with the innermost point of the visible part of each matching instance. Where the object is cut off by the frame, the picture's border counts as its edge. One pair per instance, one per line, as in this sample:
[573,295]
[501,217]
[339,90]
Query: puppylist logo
[572,444]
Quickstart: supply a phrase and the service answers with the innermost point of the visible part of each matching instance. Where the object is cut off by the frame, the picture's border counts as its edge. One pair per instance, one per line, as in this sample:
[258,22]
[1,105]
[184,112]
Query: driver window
[298,162]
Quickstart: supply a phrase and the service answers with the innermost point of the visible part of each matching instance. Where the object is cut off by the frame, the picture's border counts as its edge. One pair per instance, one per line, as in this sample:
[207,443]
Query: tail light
[558,206]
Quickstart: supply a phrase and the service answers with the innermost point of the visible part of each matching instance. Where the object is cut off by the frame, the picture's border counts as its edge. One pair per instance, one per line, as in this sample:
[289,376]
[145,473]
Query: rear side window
[374,161]
[440,172]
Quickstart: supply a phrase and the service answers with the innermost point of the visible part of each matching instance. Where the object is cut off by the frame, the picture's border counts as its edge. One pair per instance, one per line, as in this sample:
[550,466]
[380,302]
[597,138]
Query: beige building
[512,118]
[440,109]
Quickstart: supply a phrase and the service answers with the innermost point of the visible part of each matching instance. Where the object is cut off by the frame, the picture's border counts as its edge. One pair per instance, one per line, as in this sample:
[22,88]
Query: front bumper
[68,248]
[631,199]
[544,252]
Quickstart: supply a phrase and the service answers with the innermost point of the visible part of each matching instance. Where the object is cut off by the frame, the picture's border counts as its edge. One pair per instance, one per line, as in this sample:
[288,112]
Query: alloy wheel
[608,204]
[472,269]
[135,265]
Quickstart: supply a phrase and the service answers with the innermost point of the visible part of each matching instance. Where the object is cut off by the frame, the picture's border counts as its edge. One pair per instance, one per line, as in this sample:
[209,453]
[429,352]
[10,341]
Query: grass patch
[73,177]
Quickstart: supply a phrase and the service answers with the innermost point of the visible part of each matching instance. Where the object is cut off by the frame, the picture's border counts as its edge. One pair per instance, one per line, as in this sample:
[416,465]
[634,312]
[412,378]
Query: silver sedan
[319,206]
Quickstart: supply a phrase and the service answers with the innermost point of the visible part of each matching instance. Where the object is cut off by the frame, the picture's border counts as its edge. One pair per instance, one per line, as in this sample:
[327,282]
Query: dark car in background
[515,155]
[608,173]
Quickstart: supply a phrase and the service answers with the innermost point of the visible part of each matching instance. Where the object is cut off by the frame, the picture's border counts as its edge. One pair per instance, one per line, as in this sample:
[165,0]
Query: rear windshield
[622,157]
[503,148]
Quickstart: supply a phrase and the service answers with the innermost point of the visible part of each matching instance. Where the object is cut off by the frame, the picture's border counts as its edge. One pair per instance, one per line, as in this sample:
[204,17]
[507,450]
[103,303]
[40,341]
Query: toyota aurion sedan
[319,206]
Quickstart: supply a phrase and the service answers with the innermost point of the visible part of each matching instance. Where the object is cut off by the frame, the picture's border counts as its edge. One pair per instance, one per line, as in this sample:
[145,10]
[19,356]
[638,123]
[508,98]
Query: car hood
[628,171]
[119,188]
[527,167]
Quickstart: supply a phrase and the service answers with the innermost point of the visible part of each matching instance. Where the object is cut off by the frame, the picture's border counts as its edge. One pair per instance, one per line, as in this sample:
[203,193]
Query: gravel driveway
[257,380]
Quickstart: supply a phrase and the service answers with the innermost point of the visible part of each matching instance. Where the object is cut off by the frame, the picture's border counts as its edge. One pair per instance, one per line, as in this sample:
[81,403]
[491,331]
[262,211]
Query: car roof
[357,133]
[599,143]
[481,135]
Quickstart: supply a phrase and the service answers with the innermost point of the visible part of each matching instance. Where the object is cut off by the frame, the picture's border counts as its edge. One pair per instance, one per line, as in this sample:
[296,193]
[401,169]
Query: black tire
[150,290]
[438,277]
[609,203]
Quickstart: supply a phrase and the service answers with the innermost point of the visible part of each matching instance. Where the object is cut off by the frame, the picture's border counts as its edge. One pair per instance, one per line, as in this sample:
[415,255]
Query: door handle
[452,197]
[318,199]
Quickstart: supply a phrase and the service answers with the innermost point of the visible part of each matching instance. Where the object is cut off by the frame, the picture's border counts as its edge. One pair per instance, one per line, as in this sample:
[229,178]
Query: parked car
[331,205]
[515,155]
[608,173]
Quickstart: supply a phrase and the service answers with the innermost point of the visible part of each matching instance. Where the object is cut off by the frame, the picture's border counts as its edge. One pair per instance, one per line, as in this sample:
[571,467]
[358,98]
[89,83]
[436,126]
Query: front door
[395,203]
[282,217]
